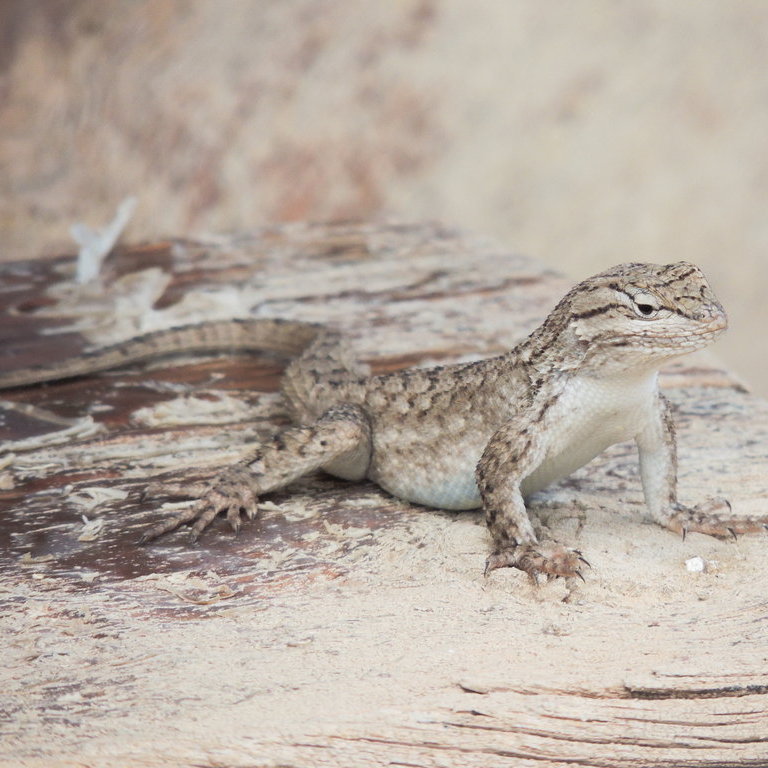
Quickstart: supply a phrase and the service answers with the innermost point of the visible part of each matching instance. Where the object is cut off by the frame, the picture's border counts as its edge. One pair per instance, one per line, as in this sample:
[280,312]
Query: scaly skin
[484,434]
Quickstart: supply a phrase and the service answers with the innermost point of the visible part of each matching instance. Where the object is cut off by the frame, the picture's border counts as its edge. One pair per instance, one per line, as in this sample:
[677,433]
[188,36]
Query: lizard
[484,434]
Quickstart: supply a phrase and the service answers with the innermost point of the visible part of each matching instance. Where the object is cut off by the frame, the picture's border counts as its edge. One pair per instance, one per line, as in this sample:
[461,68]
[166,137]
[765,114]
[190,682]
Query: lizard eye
[646,305]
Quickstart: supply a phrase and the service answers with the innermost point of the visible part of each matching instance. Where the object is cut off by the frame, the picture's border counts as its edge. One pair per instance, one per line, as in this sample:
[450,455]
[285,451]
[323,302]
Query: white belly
[591,415]
[455,491]
[442,481]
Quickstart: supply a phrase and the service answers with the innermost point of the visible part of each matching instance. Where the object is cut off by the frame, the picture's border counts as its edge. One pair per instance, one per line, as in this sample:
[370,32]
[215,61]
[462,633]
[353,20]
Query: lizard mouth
[696,335]
[718,324]
[711,328]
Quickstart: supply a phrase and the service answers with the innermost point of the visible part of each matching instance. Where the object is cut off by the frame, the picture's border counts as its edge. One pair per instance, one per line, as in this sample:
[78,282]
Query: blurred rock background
[582,133]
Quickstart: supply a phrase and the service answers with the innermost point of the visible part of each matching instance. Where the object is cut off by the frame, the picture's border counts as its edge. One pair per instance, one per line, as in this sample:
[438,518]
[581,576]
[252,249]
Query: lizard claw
[550,561]
[231,492]
[233,518]
[713,518]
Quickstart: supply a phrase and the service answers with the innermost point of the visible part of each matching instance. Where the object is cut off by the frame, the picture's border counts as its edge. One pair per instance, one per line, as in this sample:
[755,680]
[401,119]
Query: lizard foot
[714,518]
[552,560]
[231,492]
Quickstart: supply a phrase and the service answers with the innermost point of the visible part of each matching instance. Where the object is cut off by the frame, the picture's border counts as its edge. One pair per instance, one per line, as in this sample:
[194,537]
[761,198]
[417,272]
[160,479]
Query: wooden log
[344,627]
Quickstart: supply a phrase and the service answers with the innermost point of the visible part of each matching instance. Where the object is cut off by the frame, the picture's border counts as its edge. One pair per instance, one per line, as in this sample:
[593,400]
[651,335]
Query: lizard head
[638,313]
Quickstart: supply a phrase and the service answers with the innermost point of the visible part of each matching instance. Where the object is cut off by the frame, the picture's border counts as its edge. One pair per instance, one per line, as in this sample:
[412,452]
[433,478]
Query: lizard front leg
[512,454]
[340,439]
[657,447]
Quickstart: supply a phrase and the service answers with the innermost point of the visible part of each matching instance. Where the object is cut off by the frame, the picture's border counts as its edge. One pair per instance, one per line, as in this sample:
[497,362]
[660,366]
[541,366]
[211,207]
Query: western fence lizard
[482,434]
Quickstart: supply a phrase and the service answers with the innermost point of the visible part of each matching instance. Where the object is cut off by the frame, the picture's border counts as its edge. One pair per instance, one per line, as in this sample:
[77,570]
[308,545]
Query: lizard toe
[550,561]
[229,493]
[207,509]
[160,489]
[171,524]
[713,518]
[233,517]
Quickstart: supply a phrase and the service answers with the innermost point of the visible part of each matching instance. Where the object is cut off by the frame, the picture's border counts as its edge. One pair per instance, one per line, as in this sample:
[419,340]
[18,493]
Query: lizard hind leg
[325,374]
[340,441]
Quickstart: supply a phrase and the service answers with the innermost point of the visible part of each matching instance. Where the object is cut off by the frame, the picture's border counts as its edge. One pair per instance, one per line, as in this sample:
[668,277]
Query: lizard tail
[284,337]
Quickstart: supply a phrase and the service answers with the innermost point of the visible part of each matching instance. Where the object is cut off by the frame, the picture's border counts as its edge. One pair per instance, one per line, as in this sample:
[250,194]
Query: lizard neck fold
[552,347]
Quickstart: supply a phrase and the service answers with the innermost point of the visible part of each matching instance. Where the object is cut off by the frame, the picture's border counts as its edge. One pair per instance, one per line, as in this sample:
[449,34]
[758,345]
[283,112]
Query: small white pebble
[695,565]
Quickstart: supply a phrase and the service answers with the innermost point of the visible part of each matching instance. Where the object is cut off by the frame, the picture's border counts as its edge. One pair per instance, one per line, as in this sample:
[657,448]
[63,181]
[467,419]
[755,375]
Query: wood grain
[344,627]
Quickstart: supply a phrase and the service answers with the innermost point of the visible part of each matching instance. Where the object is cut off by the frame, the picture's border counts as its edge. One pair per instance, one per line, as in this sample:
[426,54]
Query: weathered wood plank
[344,627]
